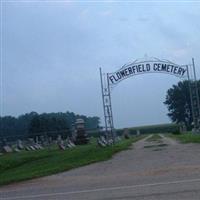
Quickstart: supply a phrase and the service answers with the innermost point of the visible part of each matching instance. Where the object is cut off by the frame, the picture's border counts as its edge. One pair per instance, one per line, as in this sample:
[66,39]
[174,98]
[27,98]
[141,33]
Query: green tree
[178,103]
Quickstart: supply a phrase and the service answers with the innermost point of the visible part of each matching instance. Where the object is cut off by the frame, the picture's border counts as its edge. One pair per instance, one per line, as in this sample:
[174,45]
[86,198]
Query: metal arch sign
[144,67]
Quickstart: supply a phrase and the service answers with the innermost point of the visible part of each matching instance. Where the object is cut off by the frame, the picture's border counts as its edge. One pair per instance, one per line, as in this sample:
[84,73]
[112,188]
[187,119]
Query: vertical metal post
[190,91]
[196,90]
[102,92]
[107,106]
[111,112]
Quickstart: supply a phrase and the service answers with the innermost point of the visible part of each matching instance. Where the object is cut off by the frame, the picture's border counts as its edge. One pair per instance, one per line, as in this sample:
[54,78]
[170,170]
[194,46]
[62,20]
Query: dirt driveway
[157,170]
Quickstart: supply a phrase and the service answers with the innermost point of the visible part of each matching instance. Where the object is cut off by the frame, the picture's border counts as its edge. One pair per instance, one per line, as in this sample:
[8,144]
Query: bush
[176,132]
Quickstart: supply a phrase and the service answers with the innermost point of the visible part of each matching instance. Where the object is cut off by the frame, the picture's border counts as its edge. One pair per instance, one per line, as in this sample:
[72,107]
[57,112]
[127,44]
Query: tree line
[48,124]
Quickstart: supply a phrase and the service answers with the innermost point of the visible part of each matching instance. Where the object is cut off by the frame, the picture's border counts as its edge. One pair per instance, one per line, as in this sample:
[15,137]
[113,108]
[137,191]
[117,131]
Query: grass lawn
[187,138]
[25,165]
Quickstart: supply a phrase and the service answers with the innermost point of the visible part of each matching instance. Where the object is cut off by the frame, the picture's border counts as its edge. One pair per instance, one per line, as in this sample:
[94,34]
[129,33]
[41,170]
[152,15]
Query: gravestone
[138,132]
[31,141]
[59,139]
[126,133]
[118,139]
[61,145]
[43,141]
[110,142]
[7,149]
[20,145]
[27,148]
[73,131]
[68,145]
[100,143]
[39,146]
[37,140]
[81,135]
[103,140]
[16,149]
[36,147]
[71,143]
[32,148]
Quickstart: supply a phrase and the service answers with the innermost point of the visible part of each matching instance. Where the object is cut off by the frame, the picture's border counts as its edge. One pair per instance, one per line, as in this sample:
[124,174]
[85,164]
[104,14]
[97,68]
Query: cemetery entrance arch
[139,67]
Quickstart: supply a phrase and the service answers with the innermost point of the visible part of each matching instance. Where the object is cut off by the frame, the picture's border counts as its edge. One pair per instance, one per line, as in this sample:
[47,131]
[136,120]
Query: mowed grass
[25,165]
[149,129]
[187,138]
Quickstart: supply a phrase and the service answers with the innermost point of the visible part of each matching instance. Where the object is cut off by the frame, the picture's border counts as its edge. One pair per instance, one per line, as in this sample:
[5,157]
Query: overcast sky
[52,52]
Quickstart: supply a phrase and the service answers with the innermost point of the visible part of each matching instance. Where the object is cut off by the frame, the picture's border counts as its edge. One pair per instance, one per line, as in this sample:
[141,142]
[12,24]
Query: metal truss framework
[106,87]
[194,95]
[107,106]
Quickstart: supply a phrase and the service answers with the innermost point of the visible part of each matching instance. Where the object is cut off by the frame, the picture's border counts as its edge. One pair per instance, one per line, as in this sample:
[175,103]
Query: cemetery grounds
[157,167]
[30,164]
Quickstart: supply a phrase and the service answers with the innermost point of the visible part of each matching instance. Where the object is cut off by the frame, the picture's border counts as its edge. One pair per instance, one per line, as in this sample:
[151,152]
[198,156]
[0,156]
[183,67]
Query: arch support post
[194,96]
[107,106]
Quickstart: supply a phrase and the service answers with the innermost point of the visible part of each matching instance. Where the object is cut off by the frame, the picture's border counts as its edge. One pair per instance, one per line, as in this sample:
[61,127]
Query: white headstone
[138,132]
[7,149]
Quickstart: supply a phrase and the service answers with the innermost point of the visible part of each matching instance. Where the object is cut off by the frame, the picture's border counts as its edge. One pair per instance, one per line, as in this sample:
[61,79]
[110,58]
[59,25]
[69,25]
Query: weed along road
[156,168]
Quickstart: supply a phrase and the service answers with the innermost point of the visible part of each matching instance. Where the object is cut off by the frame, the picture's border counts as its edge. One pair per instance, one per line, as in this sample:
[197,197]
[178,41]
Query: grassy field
[187,138]
[151,129]
[16,167]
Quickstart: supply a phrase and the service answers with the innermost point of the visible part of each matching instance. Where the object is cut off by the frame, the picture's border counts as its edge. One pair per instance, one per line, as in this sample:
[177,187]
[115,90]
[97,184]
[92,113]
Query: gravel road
[153,170]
